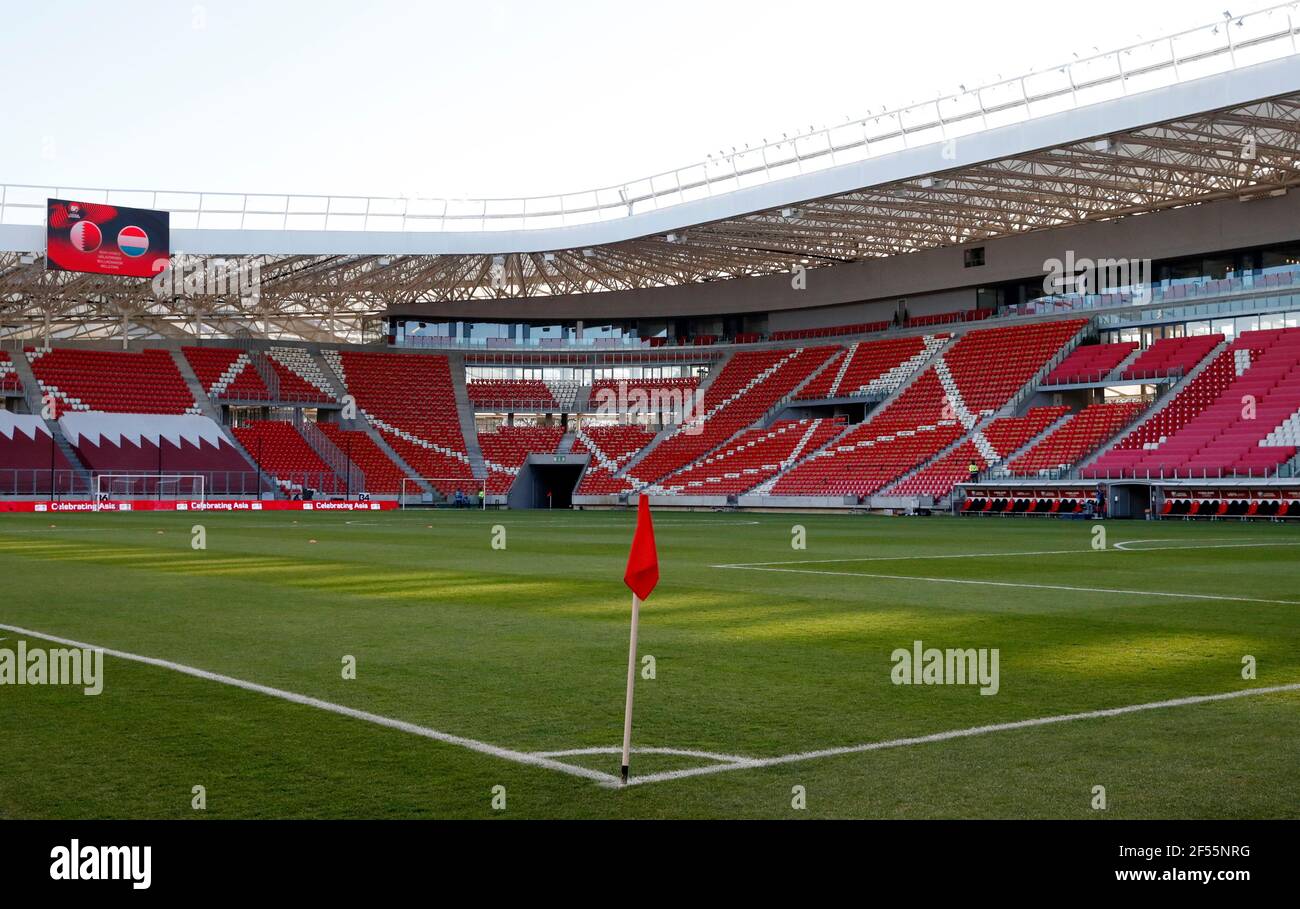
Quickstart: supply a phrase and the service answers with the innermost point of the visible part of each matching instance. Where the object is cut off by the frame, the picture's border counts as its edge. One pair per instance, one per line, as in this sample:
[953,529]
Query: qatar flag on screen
[106,239]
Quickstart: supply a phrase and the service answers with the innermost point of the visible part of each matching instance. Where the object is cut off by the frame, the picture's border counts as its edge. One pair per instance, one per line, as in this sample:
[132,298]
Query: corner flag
[643,561]
[641,576]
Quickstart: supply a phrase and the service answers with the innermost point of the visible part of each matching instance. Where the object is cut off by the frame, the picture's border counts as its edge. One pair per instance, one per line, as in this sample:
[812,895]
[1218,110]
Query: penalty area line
[1015,584]
[508,754]
[756,763]
[1122,546]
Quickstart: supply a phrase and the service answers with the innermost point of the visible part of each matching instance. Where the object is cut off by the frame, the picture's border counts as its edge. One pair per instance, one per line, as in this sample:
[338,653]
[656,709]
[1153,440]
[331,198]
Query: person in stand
[973,470]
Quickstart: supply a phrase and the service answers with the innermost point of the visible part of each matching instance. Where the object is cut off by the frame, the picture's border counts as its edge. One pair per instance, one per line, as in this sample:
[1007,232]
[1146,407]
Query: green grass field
[526,649]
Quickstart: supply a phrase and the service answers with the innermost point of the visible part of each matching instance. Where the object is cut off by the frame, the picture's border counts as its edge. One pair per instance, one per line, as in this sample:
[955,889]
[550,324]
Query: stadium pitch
[1157,677]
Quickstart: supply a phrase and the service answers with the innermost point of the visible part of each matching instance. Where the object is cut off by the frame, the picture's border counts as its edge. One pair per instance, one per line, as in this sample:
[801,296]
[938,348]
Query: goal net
[111,487]
[443,492]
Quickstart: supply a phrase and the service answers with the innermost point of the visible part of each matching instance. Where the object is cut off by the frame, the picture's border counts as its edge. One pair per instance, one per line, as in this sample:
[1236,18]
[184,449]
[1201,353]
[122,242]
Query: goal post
[114,486]
[443,492]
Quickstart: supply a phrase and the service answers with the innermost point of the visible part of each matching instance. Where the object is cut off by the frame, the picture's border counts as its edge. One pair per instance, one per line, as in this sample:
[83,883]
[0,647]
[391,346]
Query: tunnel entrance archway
[542,474]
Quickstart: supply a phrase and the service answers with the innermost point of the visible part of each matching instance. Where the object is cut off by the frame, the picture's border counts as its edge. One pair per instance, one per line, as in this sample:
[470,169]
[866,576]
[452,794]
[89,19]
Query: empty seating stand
[383,477]
[282,451]
[871,367]
[617,396]
[1077,438]
[1003,436]
[512,395]
[113,381]
[226,374]
[750,384]
[752,457]
[506,450]
[1171,357]
[611,447]
[1090,363]
[410,401]
[984,370]
[1232,420]
[9,380]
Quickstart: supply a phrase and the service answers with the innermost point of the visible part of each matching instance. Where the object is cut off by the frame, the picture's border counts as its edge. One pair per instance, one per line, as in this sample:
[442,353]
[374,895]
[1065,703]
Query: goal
[110,487]
[441,492]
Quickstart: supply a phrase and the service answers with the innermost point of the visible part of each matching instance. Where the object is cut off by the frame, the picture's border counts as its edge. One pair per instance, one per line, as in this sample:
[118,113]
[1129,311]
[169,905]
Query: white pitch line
[1117,547]
[508,754]
[754,763]
[1072,589]
[614,749]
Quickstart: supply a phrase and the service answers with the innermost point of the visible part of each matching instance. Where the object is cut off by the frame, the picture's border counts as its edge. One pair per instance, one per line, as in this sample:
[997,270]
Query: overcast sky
[484,98]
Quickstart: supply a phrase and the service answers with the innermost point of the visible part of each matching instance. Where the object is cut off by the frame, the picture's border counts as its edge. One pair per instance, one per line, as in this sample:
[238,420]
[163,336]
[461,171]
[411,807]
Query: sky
[495,99]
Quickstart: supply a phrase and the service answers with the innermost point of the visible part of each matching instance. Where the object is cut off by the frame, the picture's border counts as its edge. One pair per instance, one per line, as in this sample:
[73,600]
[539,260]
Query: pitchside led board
[106,239]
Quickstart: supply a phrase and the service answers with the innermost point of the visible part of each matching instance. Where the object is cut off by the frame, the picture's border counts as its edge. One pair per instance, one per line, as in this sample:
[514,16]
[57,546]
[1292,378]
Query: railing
[516,405]
[1115,376]
[1282,471]
[354,478]
[73,484]
[1280,280]
[260,363]
[1228,44]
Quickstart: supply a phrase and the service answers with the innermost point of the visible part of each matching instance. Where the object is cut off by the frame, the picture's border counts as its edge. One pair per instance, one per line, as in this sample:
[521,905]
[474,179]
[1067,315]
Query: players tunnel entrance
[1129,500]
[547,481]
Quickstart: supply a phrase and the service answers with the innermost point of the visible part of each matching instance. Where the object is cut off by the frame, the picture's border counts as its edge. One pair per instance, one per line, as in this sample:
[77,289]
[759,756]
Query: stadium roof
[1207,114]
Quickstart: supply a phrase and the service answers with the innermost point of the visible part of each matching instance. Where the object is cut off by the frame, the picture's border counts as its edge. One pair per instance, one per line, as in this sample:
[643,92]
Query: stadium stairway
[701,391]
[465,411]
[921,365]
[262,366]
[1124,364]
[331,377]
[832,364]
[377,437]
[32,393]
[345,469]
[582,399]
[766,374]
[360,423]
[206,407]
[566,444]
[1038,437]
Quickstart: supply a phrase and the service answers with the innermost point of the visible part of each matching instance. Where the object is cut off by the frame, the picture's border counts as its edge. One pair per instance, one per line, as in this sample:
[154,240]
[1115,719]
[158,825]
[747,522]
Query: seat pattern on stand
[506,450]
[410,400]
[112,381]
[1233,419]
[611,447]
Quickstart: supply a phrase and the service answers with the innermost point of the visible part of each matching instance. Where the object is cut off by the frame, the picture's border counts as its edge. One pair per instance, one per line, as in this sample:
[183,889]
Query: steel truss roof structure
[1244,150]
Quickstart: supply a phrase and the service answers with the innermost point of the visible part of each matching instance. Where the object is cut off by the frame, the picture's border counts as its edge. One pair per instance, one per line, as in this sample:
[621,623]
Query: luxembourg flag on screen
[133,241]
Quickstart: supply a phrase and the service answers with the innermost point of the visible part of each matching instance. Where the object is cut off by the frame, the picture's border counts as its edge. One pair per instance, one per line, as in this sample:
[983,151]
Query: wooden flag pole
[631,679]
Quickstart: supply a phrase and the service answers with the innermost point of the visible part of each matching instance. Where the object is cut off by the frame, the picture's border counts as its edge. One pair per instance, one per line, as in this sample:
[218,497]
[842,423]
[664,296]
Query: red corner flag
[643,561]
[642,575]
